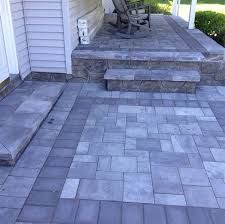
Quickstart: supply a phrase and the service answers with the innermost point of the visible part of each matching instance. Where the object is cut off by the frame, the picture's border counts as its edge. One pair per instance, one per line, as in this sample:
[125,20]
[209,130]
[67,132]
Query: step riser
[94,70]
[152,86]
[212,73]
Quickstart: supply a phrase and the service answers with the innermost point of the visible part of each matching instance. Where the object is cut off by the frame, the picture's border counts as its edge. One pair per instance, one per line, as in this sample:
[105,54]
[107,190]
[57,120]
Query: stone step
[17,130]
[152,80]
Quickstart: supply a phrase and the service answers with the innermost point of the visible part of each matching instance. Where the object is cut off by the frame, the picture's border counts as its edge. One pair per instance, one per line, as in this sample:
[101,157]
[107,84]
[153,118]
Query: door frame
[9,37]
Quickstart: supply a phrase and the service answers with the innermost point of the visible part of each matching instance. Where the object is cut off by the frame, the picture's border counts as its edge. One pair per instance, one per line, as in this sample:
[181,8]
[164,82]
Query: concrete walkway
[122,157]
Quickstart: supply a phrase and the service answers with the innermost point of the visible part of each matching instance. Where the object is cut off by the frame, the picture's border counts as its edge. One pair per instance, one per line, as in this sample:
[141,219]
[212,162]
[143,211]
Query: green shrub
[156,7]
[212,24]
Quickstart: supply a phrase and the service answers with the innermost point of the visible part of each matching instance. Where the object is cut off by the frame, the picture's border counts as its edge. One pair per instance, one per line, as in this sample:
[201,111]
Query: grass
[203,5]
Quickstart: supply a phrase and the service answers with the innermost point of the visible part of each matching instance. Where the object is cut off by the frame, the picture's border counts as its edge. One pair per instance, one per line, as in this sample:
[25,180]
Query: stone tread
[17,131]
[138,55]
[154,75]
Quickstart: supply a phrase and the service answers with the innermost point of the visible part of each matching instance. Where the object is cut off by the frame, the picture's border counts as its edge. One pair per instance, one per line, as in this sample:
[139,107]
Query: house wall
[20,37]
[79,8]
[45,35]
[41,34]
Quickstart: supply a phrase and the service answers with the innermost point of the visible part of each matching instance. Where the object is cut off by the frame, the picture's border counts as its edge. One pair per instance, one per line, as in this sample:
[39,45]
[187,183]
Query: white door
[4,72]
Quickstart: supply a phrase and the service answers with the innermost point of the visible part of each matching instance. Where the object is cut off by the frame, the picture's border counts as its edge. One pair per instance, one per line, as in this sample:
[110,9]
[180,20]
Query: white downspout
[192,14]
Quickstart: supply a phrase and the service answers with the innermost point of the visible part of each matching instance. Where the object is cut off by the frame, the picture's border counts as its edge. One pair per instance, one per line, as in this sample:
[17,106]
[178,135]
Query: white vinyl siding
[79,8]
[45,35]
[20,37]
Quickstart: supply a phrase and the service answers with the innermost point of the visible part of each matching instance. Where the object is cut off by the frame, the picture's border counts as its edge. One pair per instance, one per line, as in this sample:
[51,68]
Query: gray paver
[92,134]
[138,188]
[31,213]
[169,159]
[82,170]
[208,141]
[46,184]
[33,157]
[170,199]
[218,154]
[8,215]
[100,190]
[132,213]
[43,198]
[110,213]
[65,211]
[166,180]
[199,216]
[200,196]
[124,164]
[136,132]
[190,176]
[168,129]
[176,215]
[183,143]
[17,186]
[70,188]
[101,175]
[218,186]
[11,202]
[154,214]
[104,163]
[106,149]
[190,129]
[148,144]
[215,170]
[166,146]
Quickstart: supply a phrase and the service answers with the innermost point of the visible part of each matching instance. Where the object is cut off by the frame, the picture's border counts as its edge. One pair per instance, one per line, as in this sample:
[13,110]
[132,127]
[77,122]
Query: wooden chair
[125,16]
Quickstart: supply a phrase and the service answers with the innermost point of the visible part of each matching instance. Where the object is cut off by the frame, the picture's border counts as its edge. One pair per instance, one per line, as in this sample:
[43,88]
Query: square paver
[183,143]
[82,170]
[215,169]
[218,154]
[87,207]
[31,213]
[106,149]
[124,164]
[190,129]
[154,214]
[218,186]
[17,186]
[100,190]
[169,129]
[66,211]
[132,213]
[169,159]
[137,132]
[177,215]
[200,196]
[191,176]
[170,199]
[138,188]
[110,212]
[70,188]
[92,134]
[166,180]
[148,144]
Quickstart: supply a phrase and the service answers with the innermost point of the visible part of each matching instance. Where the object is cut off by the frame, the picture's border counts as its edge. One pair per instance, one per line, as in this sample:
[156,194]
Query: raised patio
[171,59]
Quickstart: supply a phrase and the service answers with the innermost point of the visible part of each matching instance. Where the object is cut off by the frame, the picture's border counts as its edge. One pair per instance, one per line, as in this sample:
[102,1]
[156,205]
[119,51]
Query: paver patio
[122,157]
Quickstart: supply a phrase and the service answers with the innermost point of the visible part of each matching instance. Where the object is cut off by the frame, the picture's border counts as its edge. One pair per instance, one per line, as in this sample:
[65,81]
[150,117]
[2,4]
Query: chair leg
[129,28]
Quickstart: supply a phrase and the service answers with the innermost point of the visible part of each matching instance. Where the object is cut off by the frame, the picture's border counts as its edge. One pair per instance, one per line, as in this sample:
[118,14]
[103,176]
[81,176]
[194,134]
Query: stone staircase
[152,80]
[140,70]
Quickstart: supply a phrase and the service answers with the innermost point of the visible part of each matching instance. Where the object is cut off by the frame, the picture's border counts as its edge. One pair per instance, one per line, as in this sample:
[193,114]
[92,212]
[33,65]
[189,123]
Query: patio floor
[168,33]
[122,157]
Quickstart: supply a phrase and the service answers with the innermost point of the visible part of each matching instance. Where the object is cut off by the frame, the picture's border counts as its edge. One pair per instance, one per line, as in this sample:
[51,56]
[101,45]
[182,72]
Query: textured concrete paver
[144,169]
